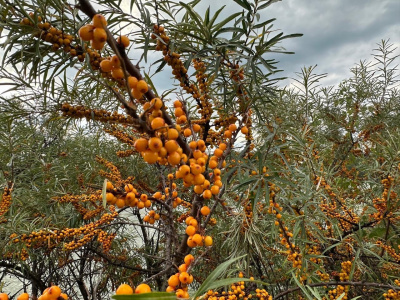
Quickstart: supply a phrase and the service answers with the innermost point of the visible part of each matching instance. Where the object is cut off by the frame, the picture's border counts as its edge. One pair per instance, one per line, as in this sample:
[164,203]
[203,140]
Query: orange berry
[157,123]
[177,103]
[99,35]
[217,172]
[218,152]
[205,210]
[120,203]
[170,289]
[212,164]
[232,127]
[190,242]
[174,158]
[3,296]
[86,32]
[173,281]
[132,82]
[106,65]
[54,291]
[197,239]
[187,132]
[188,219]
[142,288]
[124,289]
[215,189]
[190,230]
[155,144]
[150,157]
[99,21]
[182,268]
[195,169]
[189,259]
[182,119]
[142,86]
[184,169]
[198,189]
[64,296]
[117,73]
[193,222]
[184,277]
[97,45]
[244,130]
[207,194]
[141,144]
[197,154]
[128,188]
[172,134]
[171,146]
[137,94]
[228,134]
[208,241]
[24,296]
[222,146]
[199,179]
[157,103]
[193,145]
[196,127]
[179,112]
[123,40]
[115,61]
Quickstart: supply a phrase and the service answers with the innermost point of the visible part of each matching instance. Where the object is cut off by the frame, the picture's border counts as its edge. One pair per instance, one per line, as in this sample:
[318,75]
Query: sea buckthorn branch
[5,204]
[336,283]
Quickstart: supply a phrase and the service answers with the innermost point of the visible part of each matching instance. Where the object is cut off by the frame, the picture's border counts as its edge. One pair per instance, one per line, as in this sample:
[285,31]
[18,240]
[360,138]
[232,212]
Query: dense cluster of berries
[5,204]
[192,229]
[95,33]
[239,291]
[179,282]
[392,294]
[51,293]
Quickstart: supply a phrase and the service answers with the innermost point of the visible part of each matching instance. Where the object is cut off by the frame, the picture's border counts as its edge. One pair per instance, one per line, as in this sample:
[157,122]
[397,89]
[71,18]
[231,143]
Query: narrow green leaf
[104,193]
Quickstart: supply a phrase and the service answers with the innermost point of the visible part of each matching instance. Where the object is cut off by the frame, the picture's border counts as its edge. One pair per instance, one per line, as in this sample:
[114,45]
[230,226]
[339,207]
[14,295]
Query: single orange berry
[228,134]
[177,103]
[142,86]
[173,281]
[106,65]
[172,134]
[174,158]
[197,239]
[117,73]
[99,21]
[150,157]
[124,289]
[115,61]
[190,230]
[97,45]
[187,132]
[196,127]
[184,277]
[157,123]
[142,288]
[141,144]
[24,296]
[205,210]
[123,40]
[99,35]
[207,194]
[189,259]
[3,296]
[232,127]
[208,241]
[244,130]
[155,144]
[171,146]
[86,32]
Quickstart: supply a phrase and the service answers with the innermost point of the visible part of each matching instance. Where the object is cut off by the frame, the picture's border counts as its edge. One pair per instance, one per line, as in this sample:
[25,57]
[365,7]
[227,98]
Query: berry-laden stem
[127,65]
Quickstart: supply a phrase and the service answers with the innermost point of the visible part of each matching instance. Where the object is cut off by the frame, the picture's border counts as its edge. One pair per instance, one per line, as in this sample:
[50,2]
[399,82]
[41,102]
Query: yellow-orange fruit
[157,123]
[182,268]
[197,239]
[24,296]
[142,86]
[173,281]
[155,144]
[99,35]
[106,65]
[97,45]
[190,242]
[198,189]
[123,40]
[142,288]
[157,103]
[184,277]
[179,112]
[141,144]
[64,296]
[189,259]
[150,157]
[187,132]
[86,32]
[182,119]
[3,296]
[120,203]
[228,134]
[193,145]
[222,146]
[205,210]
[171,146]
[177,103]
[128,188]
[136,94]
[197,154]
[124,289]
[217,172]
[199,179]
[117,73]
[115,61]
[193,222]
[207,194]
[132,82]
[232,127]
[215,189]
[174,158]
[218,152]
[172,134]
[99,21]
[54,291]
[212,164]
[170,289]
[244,130]
[196,127]
[190,230]
[195,169]
[208,241]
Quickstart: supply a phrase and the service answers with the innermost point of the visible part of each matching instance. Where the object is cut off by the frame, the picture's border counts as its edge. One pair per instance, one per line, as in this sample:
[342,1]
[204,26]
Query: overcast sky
[337,33]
